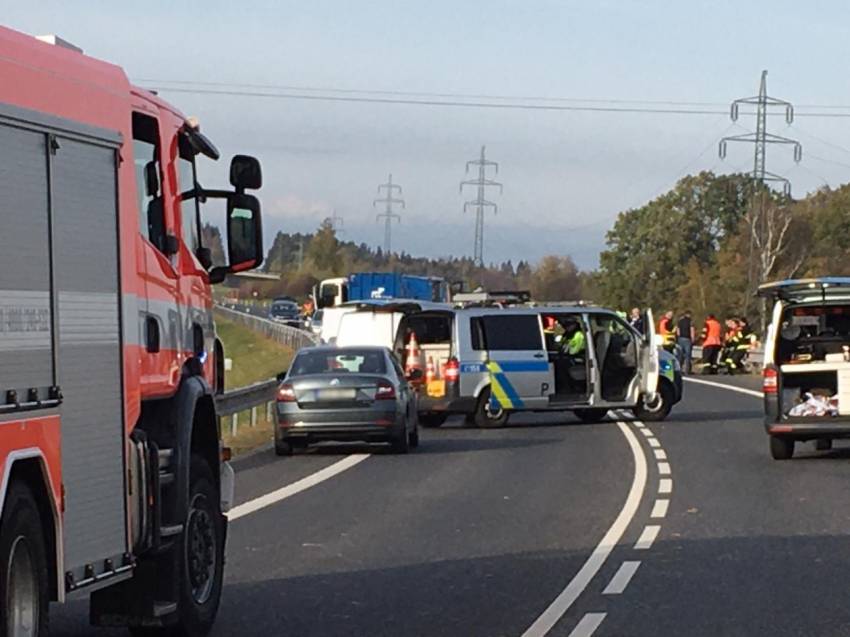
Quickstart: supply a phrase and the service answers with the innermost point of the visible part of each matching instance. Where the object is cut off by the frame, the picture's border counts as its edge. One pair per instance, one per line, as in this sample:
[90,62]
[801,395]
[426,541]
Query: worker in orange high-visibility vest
[711,344]
[667,331]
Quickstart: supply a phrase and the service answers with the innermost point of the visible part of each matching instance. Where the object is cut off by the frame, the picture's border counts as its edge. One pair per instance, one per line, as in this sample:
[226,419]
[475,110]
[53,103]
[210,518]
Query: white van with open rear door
[807,363]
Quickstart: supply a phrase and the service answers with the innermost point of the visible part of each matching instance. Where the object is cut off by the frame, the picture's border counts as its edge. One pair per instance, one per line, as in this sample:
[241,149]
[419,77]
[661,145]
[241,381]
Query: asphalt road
[479,531]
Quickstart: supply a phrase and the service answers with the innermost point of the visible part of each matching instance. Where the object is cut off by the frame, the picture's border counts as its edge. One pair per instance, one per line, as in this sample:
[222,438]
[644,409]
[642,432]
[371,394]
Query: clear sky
[566,174]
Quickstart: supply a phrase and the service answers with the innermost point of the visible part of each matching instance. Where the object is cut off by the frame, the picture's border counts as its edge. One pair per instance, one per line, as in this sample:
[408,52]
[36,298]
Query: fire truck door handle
[152,335]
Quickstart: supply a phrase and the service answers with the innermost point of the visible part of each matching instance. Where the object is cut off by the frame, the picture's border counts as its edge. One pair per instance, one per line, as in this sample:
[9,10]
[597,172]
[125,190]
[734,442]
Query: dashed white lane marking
[665,485]
[740,390]
[664,468]
[579,582]
[621,578]
[588,625]
[252,506]
[660,454]
[650,532]
[646,432]
[659,509]
[653,442]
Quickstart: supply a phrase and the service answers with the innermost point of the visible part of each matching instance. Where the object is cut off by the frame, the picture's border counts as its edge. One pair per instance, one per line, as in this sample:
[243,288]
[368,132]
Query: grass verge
[255,358]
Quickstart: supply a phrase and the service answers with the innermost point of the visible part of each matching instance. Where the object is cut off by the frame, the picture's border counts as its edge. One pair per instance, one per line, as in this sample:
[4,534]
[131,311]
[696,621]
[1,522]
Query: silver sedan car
[346,394]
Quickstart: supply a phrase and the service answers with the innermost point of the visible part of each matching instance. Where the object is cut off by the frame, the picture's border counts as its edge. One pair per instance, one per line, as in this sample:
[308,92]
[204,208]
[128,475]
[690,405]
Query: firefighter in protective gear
[711,344]
[739,346]
[550,333]
[731,340]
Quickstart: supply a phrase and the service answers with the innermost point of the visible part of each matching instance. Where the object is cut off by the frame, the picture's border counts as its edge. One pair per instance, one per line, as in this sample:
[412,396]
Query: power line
[388,215]
[480,203]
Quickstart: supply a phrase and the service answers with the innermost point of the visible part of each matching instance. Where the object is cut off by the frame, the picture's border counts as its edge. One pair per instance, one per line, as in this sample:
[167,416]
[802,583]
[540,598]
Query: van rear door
[520,374]
[824,289]
[368,328]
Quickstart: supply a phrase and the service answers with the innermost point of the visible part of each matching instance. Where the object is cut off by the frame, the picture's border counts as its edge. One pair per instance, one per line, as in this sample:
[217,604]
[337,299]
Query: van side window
[476,326]
[520,332]
[148,180]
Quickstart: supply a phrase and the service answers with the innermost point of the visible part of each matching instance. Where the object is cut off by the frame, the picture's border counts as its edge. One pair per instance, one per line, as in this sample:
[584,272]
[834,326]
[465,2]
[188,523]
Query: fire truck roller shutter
[86,275]
[26,359]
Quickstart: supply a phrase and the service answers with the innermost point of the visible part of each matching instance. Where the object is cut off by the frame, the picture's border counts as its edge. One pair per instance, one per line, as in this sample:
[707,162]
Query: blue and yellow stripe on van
[502,393]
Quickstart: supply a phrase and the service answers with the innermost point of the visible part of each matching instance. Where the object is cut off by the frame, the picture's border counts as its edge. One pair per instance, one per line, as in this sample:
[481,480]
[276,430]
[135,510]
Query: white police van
[491,362]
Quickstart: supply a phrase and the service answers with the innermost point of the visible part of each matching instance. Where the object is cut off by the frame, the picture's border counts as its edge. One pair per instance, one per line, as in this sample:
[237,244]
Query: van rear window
[506,332]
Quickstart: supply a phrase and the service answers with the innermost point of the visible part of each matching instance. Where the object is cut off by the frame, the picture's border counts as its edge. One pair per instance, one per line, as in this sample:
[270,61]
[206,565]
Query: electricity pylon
[388,215]
[480,203]
[761,138]
[337,222]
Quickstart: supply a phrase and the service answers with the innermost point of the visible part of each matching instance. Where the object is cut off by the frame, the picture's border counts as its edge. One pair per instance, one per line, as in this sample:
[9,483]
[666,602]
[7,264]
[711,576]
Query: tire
[823,444]
[591,414]
[781,448]
[413,439]
[484,418]
[660,409]
[283,448]
[469,420]
[401,443]
[23,566]
[431,419]
[202,555]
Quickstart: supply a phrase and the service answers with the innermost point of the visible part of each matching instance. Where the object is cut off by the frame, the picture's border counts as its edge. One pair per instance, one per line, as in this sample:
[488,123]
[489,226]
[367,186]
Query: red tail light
[286,394]
[385,391]
[452,373]
[770,381]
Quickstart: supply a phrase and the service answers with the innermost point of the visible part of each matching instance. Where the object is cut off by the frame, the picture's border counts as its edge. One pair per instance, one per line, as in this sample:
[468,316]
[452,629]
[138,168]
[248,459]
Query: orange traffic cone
[412,357]
[429,370]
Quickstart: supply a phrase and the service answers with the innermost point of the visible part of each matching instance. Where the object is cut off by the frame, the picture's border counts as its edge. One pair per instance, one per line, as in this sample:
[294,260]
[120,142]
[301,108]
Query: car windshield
[357,361]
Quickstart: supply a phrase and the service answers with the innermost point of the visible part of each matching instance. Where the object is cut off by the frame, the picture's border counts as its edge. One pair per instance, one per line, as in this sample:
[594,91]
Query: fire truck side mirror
[245,172]
[244,233]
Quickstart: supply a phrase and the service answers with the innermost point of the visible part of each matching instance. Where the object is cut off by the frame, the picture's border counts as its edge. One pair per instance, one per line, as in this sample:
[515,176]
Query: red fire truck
[113,479]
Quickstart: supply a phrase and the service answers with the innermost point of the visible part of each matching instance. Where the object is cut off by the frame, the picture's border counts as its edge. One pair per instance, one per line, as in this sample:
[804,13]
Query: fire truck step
[170,530]
[161,609]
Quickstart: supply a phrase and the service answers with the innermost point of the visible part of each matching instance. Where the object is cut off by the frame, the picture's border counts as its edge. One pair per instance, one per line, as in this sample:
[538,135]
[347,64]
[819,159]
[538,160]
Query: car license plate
[336,394]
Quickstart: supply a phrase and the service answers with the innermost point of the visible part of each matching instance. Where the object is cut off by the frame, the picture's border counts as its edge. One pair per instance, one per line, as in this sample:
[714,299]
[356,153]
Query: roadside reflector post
[234,424]
[254,416]
[269,407]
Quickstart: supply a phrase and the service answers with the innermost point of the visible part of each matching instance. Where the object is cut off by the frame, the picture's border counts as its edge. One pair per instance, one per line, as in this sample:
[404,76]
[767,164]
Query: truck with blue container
[365,286]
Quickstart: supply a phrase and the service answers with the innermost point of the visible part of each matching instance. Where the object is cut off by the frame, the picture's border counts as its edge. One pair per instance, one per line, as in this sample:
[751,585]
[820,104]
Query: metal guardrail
[242,399]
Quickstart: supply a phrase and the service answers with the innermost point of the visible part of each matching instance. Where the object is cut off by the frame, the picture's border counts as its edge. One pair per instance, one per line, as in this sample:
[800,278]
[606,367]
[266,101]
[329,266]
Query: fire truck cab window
[148,181]
[188,198]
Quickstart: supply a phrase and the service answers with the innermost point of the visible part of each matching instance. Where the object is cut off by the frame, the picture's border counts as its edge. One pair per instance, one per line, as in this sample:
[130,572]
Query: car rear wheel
[283,448]
[486,415]
[401,443]
[781,448]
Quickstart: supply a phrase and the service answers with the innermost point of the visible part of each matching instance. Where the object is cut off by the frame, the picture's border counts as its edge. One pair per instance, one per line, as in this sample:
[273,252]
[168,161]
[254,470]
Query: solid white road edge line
[740,390]
[650,532]
[665,485]
[588,625]
[621,578]
[569,595]
[252,506]
[659,509]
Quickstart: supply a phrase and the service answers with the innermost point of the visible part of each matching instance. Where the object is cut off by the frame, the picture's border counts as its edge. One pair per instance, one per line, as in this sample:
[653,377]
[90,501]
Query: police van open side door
[650,358]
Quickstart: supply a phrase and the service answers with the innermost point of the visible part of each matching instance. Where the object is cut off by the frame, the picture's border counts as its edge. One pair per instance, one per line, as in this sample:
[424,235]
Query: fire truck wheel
[203,554]
[23,565]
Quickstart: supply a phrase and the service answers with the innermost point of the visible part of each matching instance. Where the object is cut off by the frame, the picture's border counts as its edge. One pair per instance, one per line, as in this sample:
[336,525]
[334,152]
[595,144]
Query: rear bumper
[338,424]
[810,428]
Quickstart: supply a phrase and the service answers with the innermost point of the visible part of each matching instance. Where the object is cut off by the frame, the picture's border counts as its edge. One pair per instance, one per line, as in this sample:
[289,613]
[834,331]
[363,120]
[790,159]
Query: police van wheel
[591,415]
[23,566]
[658,409]
[485,415]
[781,448]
